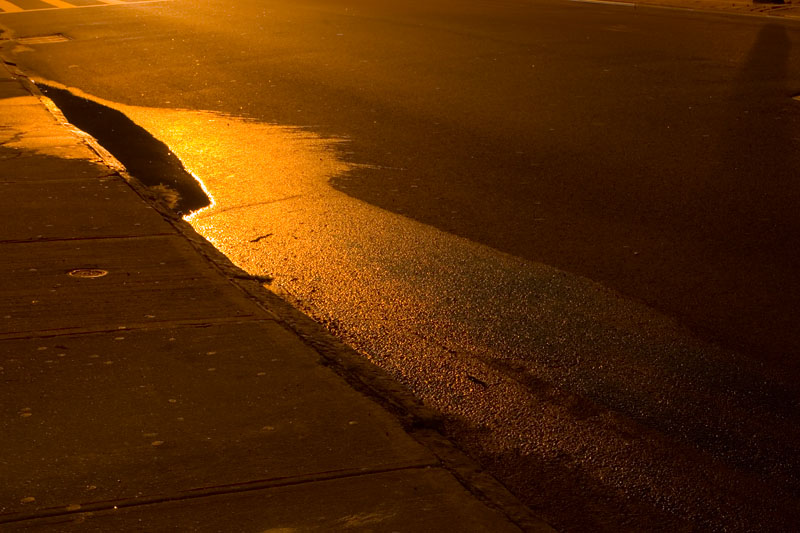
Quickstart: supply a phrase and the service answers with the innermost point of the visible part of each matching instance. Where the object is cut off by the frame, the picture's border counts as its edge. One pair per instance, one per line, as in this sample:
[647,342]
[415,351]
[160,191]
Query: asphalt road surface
[570,227]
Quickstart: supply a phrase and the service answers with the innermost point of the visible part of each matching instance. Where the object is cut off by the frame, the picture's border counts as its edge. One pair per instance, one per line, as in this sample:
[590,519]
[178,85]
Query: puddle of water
[144,156]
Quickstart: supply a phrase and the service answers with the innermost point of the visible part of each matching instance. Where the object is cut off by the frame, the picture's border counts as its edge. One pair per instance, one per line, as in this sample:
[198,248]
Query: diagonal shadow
[759,194]
[145,157]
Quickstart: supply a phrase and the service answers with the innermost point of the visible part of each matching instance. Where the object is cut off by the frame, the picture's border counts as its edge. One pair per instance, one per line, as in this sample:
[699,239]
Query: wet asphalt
[586,240]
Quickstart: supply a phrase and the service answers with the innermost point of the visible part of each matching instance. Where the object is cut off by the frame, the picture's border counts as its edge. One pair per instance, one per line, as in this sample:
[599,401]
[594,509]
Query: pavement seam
[142,326]
[45,181]
[81,239]
[206,492]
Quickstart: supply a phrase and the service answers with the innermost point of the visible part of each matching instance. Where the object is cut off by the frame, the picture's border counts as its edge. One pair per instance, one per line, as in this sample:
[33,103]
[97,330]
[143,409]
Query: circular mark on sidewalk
[88,273]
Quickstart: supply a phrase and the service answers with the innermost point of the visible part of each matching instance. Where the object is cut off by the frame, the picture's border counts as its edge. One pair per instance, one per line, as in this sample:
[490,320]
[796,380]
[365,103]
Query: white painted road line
[8,7]
[59,4]
[605,2]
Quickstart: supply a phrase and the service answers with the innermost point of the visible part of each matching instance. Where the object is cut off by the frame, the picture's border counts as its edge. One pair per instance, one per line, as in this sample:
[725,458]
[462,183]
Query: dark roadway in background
[655,152]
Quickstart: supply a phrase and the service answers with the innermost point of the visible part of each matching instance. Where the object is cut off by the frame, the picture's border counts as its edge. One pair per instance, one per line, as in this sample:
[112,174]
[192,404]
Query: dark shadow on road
[549,484]
[760,92]
[145,157]
[760,195]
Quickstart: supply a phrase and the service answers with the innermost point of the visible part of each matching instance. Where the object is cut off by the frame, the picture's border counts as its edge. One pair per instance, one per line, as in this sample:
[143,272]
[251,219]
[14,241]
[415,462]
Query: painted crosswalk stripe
[8,7]
[59,3]
[605,2]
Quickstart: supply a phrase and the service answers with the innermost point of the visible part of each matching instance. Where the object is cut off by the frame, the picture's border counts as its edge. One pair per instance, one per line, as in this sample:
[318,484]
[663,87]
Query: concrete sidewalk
[149,385]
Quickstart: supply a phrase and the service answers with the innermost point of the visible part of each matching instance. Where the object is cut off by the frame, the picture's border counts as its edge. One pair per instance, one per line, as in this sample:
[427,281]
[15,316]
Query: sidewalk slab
[150,280]
[10,88]
[421,500]
[7,76]
[164,412]
[28,125]
[43,210]
[21,166]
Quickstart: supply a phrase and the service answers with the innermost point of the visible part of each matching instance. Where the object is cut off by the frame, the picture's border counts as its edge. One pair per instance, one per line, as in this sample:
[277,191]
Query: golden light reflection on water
[259,176]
